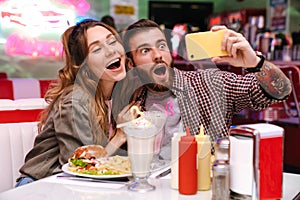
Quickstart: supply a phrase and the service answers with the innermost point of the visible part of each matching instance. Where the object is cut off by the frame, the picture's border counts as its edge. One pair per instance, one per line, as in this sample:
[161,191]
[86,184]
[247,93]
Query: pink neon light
[19,44]
[81,6]
[22,44]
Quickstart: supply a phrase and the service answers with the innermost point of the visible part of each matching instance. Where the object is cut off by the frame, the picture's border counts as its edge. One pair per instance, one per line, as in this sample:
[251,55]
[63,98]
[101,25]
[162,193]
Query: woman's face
[106,56]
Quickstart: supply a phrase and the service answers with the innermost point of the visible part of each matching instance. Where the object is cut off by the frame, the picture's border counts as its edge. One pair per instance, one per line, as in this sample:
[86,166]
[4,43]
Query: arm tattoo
[274,81]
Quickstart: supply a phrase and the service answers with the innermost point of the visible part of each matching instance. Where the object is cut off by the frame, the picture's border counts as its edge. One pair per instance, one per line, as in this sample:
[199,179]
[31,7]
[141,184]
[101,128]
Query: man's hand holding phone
[222,45]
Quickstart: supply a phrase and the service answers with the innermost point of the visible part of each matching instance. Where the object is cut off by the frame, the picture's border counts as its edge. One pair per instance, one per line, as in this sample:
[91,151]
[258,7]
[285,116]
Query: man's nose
[157,54]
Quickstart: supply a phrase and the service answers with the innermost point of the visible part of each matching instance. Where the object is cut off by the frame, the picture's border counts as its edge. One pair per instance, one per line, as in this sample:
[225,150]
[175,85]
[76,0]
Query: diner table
[57,187]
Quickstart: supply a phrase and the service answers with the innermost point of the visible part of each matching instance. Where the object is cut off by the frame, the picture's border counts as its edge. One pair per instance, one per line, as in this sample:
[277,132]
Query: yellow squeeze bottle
[204,160]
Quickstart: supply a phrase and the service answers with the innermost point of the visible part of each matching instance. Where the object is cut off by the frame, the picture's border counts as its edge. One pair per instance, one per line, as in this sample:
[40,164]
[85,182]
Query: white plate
[65,169]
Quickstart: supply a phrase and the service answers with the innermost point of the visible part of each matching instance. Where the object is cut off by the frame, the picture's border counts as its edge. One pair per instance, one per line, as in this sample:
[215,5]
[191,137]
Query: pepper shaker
[221,170]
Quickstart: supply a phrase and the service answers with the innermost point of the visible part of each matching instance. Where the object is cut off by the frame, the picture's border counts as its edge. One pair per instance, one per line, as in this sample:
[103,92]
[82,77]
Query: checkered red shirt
[211,97]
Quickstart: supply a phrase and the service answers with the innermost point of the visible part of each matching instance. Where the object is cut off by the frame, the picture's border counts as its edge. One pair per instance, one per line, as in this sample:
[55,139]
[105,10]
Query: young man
[210,97]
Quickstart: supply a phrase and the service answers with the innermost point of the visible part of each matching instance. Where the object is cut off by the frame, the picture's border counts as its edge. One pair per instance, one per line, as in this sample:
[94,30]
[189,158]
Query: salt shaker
[221,170]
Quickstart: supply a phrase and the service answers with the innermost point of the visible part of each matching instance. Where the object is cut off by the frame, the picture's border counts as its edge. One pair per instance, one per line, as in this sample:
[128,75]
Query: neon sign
[34,27]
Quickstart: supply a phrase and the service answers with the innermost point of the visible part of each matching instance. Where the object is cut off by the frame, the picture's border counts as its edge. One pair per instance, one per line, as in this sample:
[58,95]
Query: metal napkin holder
[246,131]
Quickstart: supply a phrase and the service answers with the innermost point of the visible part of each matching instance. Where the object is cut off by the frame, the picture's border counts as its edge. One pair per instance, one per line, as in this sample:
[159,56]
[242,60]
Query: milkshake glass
[141,135]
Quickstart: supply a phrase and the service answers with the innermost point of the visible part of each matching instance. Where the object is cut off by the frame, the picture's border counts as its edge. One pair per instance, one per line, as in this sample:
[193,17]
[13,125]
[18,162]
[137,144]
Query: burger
[93,160]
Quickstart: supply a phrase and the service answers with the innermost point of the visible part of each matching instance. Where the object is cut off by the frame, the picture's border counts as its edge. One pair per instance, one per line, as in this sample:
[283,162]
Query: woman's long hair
[75,71]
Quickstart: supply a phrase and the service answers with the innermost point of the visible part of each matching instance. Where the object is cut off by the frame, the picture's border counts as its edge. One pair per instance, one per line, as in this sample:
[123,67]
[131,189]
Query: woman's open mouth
[115,64]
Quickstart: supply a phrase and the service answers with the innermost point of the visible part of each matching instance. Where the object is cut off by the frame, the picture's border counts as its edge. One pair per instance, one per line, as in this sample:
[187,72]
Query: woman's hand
[240,52]
[125,115]
[116,142]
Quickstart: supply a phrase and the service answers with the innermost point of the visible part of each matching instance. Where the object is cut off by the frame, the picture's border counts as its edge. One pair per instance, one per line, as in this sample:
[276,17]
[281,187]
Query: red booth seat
[16,116]
[3,75]
[18,129]
[6,89]
[21,110]
[24,88]
[44,86]
[16,140]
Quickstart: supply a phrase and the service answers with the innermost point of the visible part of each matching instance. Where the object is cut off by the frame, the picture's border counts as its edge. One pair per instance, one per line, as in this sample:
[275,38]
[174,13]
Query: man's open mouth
[115,65]
[161,70]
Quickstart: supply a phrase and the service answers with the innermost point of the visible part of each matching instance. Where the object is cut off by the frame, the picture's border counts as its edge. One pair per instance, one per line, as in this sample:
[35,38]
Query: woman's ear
[129,63]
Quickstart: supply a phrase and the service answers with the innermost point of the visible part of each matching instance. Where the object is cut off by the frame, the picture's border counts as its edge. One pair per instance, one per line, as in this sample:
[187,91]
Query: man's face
[151,57]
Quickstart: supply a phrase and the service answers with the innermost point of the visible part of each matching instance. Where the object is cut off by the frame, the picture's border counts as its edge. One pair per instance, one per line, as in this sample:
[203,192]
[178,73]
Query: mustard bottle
[204,160]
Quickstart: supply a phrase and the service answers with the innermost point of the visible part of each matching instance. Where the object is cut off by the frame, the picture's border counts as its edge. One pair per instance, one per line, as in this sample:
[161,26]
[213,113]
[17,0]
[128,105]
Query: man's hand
[240,52]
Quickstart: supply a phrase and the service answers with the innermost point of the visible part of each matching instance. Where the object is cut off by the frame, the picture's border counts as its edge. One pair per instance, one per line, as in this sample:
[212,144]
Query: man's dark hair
[109,20]
[141,25]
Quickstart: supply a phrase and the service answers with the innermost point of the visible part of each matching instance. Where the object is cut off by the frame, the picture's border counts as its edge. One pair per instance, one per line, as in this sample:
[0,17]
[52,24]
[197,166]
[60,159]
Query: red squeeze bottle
[188,179]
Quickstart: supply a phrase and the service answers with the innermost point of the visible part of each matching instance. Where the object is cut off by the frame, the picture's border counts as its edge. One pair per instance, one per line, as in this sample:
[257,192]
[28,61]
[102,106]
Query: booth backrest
[44,86]
[18,128]
[6,89]
[21,110]
[16,139]
[26,88]
[23,88]
[3,75]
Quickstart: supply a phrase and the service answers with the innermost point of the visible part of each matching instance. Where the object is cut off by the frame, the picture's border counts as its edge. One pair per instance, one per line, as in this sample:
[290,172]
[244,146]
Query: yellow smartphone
[203,45]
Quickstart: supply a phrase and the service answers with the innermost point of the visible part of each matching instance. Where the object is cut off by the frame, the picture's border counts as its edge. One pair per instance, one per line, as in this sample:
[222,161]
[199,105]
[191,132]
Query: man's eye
[162,46]
[144,51]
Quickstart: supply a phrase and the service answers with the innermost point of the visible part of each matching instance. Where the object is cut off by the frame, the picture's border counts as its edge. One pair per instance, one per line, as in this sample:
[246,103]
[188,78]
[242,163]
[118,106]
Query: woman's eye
[97,49]
[112,41]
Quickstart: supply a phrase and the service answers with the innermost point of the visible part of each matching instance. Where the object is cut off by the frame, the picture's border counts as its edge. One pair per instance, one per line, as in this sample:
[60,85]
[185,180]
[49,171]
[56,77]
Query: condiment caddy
[247,164]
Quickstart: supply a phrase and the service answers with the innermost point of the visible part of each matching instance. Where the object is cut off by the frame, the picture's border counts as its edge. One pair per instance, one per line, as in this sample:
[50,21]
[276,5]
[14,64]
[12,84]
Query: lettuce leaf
[78,162]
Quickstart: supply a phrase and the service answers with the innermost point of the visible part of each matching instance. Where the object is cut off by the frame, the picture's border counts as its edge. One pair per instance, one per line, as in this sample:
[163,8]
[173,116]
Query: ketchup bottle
[188,180]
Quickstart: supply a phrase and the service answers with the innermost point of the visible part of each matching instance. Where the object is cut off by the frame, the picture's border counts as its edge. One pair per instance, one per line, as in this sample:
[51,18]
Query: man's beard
[149,82]
[156,87]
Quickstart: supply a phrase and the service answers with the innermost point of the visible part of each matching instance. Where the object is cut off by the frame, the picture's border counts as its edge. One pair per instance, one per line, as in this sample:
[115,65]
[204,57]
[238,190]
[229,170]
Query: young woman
[80,102]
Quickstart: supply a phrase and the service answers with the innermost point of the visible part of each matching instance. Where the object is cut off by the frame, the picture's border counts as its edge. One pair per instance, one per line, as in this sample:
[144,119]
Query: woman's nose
[109,50]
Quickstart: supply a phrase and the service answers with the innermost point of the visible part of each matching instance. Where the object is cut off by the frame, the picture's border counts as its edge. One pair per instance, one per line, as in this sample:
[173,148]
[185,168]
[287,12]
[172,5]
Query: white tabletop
[59,188]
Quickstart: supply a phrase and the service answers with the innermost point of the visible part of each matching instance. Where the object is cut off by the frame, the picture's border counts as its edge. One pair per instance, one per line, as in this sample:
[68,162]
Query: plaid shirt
[211,97]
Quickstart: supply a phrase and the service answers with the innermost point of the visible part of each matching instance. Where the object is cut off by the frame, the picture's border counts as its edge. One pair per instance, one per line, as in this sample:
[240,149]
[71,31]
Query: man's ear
[129,63]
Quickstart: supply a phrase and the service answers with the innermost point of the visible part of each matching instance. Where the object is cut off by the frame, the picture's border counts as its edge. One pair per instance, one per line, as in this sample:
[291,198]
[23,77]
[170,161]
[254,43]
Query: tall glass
[157,163]
[140,146]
